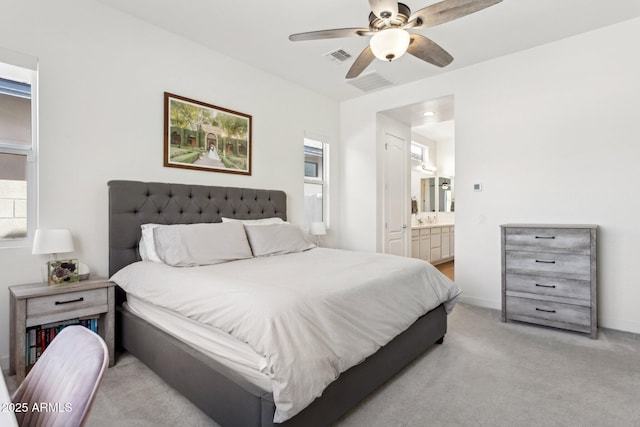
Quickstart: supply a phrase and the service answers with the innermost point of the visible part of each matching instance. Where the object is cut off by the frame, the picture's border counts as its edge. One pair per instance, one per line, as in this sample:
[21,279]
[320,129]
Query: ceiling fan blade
[428,50]
[448,10]
[384,9]
[330,34]
[362,61]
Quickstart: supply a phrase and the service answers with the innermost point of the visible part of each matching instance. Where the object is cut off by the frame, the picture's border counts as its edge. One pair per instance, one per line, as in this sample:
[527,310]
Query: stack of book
[39,337]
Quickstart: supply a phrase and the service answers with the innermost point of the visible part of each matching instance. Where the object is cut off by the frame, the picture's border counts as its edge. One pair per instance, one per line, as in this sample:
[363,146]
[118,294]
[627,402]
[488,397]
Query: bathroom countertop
[432,225]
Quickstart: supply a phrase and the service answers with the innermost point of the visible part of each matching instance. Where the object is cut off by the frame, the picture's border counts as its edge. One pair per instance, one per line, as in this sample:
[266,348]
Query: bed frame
[218,391]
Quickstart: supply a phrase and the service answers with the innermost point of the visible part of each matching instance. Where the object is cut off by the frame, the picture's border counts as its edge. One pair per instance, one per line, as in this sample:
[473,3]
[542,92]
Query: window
[419,152]
[316,167]
[17,154]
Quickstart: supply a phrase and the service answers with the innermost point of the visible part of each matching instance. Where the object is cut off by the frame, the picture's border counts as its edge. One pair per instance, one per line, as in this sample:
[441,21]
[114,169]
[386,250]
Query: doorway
[430,173]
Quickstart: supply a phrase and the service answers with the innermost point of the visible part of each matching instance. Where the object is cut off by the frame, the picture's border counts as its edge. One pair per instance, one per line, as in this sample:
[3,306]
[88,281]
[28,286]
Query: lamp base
[83,271]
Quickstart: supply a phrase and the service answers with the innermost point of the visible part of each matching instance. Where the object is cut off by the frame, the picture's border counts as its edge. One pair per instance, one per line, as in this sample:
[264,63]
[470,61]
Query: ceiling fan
[388,24]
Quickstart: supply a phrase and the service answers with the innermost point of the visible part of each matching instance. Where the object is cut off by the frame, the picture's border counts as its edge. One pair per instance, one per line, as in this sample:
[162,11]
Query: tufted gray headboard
[133,203]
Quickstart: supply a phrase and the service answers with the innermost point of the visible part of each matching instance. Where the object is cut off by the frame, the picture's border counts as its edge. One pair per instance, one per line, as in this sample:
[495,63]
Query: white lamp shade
[54,241]
[317,229]
[390,44]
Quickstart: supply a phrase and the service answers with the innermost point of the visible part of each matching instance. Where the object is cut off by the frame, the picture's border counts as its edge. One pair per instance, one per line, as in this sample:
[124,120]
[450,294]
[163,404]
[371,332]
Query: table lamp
[317,229]
[54,242]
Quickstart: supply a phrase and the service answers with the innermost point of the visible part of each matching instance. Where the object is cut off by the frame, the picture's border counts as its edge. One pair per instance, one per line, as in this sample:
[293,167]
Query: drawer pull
[70,301]
[546,311]
[545,237]
[545,286]
[545,262]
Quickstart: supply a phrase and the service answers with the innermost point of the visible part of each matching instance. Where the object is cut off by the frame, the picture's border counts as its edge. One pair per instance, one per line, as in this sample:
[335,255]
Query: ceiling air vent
[369,81]
[339,55]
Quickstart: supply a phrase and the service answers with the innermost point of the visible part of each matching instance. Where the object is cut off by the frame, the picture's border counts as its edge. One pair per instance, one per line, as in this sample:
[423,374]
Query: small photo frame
[61,272]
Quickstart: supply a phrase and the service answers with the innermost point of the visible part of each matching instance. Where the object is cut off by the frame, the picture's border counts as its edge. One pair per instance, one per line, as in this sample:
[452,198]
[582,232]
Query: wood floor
[446,268]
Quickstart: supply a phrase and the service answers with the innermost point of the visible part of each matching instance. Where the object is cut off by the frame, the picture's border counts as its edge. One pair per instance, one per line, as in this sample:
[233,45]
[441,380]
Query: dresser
[549,275]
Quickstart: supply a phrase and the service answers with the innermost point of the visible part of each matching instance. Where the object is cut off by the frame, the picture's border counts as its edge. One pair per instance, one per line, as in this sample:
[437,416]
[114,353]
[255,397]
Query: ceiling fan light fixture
[390,44]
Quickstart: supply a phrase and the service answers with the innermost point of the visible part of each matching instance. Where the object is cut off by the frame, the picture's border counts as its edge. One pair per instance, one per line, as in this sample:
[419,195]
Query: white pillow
[262,221]
[185,245]
[147,245]
[276,239]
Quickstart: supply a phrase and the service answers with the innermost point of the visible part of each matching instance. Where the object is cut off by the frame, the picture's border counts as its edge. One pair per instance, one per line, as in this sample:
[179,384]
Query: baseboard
[481,302]
[619,325]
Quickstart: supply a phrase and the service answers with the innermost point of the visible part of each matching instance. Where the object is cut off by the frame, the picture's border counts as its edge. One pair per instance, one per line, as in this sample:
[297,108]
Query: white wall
[102,77]
[551,133]
[446,157]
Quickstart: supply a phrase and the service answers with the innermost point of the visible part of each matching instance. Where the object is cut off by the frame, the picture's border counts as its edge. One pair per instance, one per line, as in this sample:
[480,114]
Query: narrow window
[17,155]
[316,154]
[419,152]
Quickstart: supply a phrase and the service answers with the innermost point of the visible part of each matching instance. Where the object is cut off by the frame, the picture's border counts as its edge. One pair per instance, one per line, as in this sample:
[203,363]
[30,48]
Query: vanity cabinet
[549,275]
[433,244]
[421,244]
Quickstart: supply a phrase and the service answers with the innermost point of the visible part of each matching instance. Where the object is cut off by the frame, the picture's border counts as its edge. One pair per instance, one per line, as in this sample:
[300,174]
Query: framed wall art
[205,137]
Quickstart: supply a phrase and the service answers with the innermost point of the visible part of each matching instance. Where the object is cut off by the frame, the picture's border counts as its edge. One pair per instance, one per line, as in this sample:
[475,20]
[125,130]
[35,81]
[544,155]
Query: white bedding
[236,355]
[311,314]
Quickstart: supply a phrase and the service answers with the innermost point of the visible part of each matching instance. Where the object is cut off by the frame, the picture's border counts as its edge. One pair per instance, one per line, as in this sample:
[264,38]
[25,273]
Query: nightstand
[37,304]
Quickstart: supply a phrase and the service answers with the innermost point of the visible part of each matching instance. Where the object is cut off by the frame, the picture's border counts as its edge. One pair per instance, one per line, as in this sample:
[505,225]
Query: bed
[220,391]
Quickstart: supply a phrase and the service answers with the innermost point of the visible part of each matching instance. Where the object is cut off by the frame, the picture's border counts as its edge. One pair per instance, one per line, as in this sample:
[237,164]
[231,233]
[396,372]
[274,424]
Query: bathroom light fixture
[390,44]
[429,113]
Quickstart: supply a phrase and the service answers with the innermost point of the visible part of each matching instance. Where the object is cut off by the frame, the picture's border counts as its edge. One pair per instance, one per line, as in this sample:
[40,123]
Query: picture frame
[206,137]
[60,272]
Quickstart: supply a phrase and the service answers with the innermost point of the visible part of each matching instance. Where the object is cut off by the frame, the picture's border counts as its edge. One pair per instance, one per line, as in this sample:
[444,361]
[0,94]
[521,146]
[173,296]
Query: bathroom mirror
[427,195]
[445,194]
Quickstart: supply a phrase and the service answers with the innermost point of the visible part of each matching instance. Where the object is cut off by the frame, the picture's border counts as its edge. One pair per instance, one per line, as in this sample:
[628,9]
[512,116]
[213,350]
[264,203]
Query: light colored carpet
[486,373]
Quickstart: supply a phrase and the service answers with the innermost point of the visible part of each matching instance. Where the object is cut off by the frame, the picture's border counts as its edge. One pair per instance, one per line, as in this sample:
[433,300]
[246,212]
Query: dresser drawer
[69,305]
[572,240]
[545,263]
[550,286]
[548,313]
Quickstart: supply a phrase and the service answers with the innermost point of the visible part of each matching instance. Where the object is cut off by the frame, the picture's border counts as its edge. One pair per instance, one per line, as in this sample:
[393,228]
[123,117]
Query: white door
[395,198]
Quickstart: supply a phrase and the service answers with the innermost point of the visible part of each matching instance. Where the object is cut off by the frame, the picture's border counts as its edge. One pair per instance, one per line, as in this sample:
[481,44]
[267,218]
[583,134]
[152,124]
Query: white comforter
[312,314]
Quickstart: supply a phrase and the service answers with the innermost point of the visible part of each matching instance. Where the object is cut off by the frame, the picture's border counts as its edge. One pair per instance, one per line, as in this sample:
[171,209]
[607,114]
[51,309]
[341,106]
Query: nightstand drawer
[549,263]
[68,305]
[551,286]
[572,240]
[549,313]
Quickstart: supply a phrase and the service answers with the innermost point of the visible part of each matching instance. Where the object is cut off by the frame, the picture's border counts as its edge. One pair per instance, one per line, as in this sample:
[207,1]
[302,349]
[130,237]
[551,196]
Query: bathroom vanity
[433,243]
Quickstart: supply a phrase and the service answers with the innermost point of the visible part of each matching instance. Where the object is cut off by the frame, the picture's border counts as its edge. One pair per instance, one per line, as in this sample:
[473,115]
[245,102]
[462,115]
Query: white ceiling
[256,32]
[438,127]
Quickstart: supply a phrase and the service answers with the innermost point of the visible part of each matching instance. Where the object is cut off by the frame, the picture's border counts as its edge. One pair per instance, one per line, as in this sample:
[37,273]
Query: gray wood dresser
[549,275]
